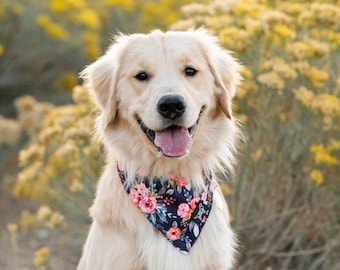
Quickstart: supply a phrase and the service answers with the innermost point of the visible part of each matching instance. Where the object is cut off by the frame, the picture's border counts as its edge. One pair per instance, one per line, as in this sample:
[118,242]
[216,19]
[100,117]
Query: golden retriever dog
[166,121]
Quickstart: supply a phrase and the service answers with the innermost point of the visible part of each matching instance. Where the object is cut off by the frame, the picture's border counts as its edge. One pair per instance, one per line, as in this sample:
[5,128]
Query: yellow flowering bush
[285,200]
[62,160]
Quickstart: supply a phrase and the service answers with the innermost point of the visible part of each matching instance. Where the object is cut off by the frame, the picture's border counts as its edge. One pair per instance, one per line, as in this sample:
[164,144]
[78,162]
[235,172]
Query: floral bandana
[172,206]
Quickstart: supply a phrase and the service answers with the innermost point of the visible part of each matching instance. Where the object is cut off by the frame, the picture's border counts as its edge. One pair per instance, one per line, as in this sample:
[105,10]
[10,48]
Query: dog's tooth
[192,130]
[159,153]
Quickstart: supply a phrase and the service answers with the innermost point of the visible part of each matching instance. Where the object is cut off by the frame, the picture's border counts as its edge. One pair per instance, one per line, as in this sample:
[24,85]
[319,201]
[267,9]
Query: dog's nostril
[171,106]
[180,106]
[163,108]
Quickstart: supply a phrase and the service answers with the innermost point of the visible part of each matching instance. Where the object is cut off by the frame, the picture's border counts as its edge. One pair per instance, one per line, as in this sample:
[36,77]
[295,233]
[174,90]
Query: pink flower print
[148,204]
[181,182]
[134,196]
[173,233]
[183,210]
[204,196]
[142,190]
[193,203]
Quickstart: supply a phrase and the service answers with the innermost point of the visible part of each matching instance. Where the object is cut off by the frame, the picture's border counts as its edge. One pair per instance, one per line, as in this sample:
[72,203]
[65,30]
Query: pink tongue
[173,142]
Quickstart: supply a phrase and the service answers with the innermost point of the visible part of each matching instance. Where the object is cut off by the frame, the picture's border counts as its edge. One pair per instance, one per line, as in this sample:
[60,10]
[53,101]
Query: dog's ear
[101,78]
[225,70]
[226,73]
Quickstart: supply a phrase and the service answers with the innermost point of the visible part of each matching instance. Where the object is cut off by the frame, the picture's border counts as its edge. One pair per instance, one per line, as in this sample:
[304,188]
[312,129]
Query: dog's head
[167,95]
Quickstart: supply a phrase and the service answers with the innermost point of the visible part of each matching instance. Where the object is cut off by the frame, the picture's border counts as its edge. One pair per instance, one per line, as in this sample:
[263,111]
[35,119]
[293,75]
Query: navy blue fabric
[171,206]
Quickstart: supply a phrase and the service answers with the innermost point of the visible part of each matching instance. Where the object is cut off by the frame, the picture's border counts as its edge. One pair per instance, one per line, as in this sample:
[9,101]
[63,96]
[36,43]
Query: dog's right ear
[223,67]
[101,78]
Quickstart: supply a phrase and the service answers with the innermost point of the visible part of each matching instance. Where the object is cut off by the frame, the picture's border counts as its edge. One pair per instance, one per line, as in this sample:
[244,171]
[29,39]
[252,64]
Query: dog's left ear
[225,70]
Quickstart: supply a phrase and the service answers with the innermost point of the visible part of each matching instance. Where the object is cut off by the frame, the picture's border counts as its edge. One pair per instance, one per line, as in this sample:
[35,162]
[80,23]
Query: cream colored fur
[120,237]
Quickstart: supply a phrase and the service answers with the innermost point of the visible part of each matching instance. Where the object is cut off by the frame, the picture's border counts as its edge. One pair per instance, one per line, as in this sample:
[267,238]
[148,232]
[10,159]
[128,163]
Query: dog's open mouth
[174,141]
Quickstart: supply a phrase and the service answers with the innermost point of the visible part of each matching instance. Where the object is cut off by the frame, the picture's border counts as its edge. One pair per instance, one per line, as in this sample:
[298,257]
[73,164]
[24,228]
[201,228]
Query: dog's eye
[142,76]
[189,71]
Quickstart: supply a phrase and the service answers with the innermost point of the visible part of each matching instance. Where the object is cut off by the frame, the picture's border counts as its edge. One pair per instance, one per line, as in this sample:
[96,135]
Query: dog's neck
[162,168]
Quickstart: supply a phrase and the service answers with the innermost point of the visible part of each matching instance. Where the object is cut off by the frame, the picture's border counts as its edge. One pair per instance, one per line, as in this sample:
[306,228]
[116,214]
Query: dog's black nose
[171,106]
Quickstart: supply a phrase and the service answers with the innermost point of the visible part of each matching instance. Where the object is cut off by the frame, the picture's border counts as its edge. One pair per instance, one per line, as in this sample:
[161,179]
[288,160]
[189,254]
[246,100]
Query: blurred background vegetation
[285,200]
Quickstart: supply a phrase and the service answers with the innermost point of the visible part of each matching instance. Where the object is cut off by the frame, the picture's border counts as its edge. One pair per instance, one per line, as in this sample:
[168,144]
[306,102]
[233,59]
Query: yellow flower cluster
[31,113]
[317,77]
[272,80]
[317,177]
[41,257]
[326,159]
[89,18]
[328,106]
[30,117]
[308,48]
[61,155]
[62,6]
[305,96]
[276,72]
[44,217]
[78,18]
[324,155]
[53,29]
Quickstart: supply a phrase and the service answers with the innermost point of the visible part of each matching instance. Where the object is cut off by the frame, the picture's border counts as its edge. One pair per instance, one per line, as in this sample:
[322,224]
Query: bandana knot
[172,206]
